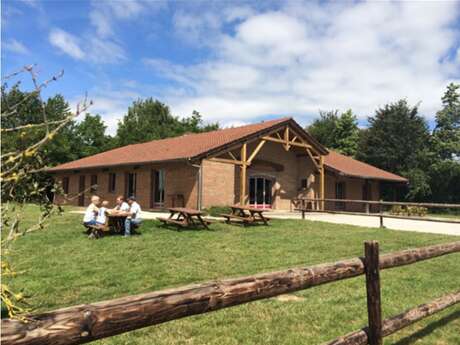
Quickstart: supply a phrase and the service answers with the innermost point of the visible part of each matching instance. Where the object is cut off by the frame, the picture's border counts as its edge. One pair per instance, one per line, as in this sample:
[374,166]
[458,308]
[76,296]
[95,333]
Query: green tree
[91,136]
[445,171]
[346,134]
[150,119]
[323,129]
[336,132]
[397,140]
[446,135]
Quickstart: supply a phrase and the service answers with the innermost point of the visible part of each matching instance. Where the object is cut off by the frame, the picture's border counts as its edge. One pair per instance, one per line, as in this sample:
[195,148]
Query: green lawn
[64,268]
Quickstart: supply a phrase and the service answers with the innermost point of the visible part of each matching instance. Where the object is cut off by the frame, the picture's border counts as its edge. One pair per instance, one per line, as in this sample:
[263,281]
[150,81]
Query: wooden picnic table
[246,215]
[116,222]
[185,217]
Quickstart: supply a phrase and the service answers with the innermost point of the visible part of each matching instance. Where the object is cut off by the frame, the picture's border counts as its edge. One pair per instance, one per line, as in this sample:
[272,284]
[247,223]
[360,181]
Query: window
[93,187]
[112,182]
[65,185]
[303,183]
[340,192]
[130,188]
[158,187]
[81,191]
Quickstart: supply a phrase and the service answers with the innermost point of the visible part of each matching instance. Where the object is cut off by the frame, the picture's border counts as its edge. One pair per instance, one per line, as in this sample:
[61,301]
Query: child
[92,211]
[101,217]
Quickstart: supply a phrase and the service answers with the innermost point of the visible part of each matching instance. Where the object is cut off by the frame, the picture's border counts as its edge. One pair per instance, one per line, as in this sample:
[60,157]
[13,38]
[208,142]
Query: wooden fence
[85,323]
[371,208]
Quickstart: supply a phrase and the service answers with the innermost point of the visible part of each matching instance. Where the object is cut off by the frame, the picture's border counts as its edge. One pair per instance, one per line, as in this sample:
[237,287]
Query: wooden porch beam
[321,188]
[303,141]
[286,138]
[281,141]
[256,151]
[225,160]
[243,168]
[317,166]
[232,155]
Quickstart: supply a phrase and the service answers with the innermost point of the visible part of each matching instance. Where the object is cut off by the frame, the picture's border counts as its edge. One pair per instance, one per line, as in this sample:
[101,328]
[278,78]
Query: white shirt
[90,213]
[135,210]
[101,215]
[123,207]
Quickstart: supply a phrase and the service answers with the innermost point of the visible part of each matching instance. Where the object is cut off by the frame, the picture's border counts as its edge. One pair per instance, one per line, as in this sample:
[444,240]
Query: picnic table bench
[245,215]
[185,218]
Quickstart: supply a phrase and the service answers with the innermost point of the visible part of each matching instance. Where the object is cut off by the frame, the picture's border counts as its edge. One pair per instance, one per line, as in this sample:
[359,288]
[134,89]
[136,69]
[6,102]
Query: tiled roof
[183,147]
[354,168]
[195,145]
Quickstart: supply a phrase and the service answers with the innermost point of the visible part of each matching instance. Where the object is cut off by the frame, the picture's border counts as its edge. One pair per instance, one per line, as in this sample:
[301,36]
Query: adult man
[91,211]
[121,206]
[134,215]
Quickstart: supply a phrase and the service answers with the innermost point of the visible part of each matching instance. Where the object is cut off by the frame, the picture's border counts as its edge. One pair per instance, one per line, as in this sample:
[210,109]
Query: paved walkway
[372,222]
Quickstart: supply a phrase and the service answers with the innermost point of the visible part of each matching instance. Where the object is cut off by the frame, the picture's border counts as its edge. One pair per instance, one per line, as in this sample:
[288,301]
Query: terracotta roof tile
[193,145]
[352,167]
[183,147]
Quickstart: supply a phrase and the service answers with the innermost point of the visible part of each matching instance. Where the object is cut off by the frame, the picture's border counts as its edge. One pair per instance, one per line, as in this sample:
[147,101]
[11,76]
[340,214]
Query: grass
[64,268]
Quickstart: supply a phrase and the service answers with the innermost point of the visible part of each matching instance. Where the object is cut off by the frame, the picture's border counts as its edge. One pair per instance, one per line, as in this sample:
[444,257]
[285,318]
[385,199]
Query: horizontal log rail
[396,323]
[388,203]
[85,323]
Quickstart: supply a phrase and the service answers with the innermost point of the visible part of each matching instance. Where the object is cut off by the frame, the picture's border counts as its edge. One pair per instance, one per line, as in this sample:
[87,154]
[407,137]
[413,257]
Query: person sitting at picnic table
[134,215]
[91,211]
[101,216]
[121,205]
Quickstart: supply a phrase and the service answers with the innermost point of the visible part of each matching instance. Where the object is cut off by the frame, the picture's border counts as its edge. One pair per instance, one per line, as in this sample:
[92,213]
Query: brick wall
[221,184]
[180,178]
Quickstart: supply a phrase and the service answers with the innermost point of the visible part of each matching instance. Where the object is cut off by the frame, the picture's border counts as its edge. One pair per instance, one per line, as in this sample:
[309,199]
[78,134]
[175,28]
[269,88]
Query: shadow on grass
[411,339]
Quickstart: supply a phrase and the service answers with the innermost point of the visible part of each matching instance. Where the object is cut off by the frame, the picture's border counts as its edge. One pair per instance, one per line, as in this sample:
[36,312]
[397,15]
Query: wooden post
[286,138]
[321,182]
[381,214]
[243,175]
[374,309]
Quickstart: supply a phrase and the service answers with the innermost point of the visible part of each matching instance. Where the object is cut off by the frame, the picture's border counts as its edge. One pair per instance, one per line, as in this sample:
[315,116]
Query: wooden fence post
[374,310]
[381,214]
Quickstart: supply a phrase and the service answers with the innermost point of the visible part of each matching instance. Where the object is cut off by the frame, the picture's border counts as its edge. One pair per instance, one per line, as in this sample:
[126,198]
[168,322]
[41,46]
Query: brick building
[265,164]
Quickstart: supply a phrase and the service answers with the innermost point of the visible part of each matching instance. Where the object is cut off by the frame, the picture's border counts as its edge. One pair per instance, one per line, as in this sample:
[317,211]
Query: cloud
[301,57]
[104,14]
[90,48]
[67,43]
[112,105]
[15,46]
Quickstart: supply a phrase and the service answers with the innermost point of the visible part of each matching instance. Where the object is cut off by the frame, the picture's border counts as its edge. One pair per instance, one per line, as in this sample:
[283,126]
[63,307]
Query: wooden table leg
[203,222]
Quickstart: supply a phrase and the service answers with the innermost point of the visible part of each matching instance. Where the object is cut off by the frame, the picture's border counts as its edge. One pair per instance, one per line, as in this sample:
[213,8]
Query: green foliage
[397,140]
[445,181]
[91,137]
[446,135]
[323,129]
[150,119]
[337,132]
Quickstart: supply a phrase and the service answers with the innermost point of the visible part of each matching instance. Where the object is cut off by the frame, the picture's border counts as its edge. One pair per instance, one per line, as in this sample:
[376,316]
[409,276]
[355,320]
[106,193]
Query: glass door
[260,192]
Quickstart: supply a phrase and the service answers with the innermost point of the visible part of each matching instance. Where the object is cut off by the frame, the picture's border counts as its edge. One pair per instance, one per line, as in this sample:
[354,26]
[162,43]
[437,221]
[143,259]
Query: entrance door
[260,192]
[81,191]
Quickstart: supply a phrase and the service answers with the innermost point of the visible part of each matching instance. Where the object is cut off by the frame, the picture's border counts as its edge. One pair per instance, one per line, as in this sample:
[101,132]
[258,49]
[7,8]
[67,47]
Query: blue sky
[238,62]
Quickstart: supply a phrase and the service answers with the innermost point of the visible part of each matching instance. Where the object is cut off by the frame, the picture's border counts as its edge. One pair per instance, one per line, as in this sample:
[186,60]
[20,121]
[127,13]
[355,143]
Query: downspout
[199,177]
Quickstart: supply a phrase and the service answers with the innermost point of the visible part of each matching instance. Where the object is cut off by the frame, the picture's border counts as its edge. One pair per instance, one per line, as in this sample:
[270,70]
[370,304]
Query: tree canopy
[338,132]
[150,119]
